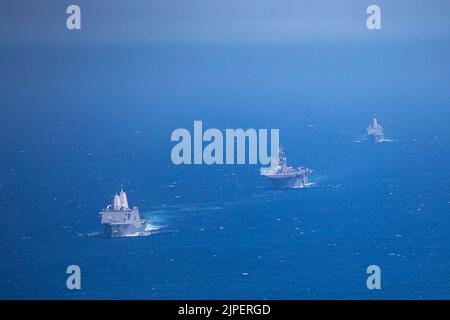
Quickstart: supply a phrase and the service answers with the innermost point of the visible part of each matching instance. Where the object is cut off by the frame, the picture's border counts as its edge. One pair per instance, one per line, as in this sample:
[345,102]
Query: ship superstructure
[119,220]
[283,176]
[376,130]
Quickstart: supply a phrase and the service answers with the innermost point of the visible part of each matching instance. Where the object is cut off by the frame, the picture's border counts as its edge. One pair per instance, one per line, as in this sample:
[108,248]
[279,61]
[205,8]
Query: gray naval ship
[282,176]
[376,131]
[119,220]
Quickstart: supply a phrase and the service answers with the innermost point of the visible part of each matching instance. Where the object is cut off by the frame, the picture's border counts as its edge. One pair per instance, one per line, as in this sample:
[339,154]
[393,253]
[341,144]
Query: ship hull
[287,182]
[121,230]
[377,138]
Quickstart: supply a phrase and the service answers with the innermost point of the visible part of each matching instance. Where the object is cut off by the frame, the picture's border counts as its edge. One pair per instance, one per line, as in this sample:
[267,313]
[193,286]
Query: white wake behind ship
[119,220]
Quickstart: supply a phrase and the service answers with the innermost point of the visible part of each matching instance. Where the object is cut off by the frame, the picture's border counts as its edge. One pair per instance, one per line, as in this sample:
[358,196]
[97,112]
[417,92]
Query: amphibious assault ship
[119,220]
[282,176]
[376,130]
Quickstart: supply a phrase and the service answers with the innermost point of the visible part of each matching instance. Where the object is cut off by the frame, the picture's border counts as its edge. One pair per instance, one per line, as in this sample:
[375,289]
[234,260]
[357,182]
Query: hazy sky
[219,21]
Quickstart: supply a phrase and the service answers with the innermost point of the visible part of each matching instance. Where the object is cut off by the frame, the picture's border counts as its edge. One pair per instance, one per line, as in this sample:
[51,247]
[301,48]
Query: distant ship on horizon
[283,176]
[376,131]
[119,220]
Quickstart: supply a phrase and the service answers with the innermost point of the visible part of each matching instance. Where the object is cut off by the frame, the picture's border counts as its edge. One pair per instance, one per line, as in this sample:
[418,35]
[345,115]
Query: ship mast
[117,203]
[282,159]
[123,199]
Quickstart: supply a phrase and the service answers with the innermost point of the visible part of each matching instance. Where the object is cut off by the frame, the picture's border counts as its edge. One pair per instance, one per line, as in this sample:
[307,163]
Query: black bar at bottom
[222,309]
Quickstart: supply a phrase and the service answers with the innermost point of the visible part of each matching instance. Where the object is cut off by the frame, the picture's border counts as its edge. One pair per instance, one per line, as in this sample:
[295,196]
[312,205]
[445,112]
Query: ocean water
[80,121]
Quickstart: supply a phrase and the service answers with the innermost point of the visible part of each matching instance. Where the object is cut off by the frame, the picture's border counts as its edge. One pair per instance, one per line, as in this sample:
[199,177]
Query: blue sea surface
[80,121]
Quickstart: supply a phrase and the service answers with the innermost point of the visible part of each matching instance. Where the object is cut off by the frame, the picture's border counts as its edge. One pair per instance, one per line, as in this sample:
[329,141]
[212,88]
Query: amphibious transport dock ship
[282,176]
[376,130]
[119,220]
